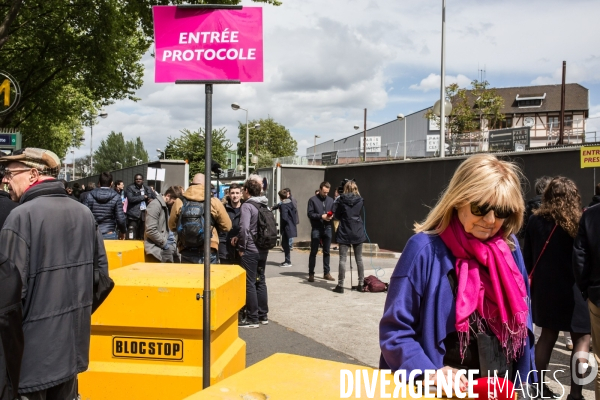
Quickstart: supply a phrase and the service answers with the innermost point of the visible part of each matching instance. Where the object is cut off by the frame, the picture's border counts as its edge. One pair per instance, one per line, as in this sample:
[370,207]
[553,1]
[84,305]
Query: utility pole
[561,136]
[365,139]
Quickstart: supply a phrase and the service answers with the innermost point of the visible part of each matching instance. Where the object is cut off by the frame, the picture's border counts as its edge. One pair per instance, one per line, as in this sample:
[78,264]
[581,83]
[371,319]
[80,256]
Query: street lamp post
[402,117]
[315,148]
[442,86]
[73,153]
[103,114]
[235,107]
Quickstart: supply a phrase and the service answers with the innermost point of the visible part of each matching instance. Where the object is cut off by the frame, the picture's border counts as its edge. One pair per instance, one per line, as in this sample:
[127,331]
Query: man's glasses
[483,209]
[10,173]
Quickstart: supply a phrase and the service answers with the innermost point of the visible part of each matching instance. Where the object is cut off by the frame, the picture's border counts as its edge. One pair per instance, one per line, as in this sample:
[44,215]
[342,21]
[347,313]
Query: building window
[507,123]
[568,121]
[552,121]
[530,103]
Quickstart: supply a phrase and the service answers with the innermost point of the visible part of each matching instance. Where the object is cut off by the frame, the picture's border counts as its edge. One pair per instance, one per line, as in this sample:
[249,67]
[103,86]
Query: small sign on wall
[373,144]
[433,143]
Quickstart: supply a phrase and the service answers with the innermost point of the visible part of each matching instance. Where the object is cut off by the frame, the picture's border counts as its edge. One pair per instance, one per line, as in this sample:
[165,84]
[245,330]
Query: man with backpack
[187,219]
[258,234]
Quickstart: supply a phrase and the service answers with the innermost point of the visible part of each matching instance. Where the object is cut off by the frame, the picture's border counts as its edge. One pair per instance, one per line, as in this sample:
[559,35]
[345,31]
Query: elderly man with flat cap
[52,243]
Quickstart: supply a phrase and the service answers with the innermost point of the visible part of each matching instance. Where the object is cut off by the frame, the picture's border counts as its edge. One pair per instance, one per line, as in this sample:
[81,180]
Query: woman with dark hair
[557,303]
[350,233]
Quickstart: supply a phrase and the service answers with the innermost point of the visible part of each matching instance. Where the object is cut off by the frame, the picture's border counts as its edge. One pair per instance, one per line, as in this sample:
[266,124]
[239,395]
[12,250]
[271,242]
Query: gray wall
[392,139]
[175,174]
[398,193]
[303,181]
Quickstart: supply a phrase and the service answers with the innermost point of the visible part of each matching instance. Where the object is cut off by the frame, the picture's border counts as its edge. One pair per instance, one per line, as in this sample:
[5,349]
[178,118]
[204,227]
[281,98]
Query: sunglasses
[483,209]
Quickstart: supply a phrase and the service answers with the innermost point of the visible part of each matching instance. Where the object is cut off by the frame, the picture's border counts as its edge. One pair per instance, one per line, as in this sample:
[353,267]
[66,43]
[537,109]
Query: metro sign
[10,92]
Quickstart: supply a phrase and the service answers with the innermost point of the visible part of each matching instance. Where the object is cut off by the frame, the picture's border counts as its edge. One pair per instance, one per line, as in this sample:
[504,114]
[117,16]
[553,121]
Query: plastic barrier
[121,253]
[147,337]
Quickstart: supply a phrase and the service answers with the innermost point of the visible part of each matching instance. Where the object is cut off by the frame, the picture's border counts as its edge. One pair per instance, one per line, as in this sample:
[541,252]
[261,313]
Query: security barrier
[121,253]
[283,376]
[147,337]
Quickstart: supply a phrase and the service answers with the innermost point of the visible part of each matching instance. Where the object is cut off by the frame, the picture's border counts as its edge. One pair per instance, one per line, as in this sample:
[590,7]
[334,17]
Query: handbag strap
[542,252]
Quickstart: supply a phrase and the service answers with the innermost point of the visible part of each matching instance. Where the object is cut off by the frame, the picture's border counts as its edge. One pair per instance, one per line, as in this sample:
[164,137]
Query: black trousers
[256,287]
[64,391]
[316,237]
[137,228]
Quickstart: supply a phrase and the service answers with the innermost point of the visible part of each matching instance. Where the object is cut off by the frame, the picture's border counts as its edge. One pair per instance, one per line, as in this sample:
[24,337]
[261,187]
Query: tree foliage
[72,57]
[269,141]
[190,146]
[115,149]
[471,109]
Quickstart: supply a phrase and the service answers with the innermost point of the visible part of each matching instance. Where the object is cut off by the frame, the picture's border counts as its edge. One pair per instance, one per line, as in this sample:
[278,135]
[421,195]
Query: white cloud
[587,70]
[432,82]
[325,61]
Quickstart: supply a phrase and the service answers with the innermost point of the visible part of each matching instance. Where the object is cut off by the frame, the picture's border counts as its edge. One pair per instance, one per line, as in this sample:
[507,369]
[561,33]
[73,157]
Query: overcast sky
[326,60]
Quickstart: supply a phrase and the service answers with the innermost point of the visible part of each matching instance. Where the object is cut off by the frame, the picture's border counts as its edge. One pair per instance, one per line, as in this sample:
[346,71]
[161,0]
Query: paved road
[309,319]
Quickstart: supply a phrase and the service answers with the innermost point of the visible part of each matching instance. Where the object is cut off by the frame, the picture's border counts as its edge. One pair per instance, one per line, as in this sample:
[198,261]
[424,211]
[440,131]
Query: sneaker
[285,265]
[338,289]
[263,320]
[311,277]
[328,277]
[248,324]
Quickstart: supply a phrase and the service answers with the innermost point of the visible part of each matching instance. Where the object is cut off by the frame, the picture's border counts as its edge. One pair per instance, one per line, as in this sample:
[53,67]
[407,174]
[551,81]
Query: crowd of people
[48,284]
[463,295]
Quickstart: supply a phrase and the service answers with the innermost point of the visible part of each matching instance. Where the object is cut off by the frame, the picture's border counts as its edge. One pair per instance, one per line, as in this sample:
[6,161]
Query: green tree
[269,141]
[488,104]
[190,146]
[470,108]
[115,149]
[71,58]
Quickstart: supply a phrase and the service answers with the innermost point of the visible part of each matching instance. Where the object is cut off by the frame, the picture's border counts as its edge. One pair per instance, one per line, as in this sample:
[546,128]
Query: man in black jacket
[138,196]
[227,252]
[56,278]
[586,268]
[320,214]
[107,208]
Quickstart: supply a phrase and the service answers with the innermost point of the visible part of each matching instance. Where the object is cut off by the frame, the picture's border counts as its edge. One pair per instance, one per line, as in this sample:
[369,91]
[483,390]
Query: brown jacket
[217,210]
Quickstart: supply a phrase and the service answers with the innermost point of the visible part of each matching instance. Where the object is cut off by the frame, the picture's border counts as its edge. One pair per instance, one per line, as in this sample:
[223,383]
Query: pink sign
[200,44]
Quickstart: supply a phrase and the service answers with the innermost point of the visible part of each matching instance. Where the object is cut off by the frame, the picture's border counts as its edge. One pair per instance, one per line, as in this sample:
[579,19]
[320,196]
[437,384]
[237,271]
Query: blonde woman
[461,279]
[351,232]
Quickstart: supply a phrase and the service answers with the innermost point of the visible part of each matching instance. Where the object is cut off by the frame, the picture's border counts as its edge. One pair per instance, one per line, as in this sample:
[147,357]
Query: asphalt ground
[309,319]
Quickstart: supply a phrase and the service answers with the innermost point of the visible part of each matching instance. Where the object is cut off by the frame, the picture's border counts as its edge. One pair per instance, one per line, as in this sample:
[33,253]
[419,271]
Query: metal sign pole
[207,233]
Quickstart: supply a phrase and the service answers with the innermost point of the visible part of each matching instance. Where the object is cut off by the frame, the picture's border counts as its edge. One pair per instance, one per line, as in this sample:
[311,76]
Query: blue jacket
[107,208]
[288,215]
[420,309]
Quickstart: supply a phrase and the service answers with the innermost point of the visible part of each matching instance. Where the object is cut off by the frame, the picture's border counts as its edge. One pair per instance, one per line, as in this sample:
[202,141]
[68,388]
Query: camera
[340,188]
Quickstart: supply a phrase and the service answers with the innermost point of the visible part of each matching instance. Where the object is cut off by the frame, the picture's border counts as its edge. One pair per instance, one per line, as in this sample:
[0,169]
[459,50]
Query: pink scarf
[490,283]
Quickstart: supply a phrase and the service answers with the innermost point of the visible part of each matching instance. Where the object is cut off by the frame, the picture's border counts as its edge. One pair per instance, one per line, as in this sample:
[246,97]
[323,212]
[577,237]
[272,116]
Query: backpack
[190,226]
[266,227]
[374,285]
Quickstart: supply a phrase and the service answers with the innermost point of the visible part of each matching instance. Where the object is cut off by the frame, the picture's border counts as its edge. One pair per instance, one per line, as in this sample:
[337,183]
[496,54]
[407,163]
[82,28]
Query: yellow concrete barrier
[282,376]
[291,377]
[147,337]
[121,253]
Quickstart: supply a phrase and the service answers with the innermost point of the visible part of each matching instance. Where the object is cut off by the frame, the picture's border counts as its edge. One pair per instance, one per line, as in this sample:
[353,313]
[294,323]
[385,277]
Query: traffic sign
[11,141]
[505,139]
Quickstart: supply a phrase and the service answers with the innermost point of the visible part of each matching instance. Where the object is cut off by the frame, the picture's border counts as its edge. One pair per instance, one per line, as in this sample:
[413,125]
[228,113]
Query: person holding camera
[351,232]
[320,214]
